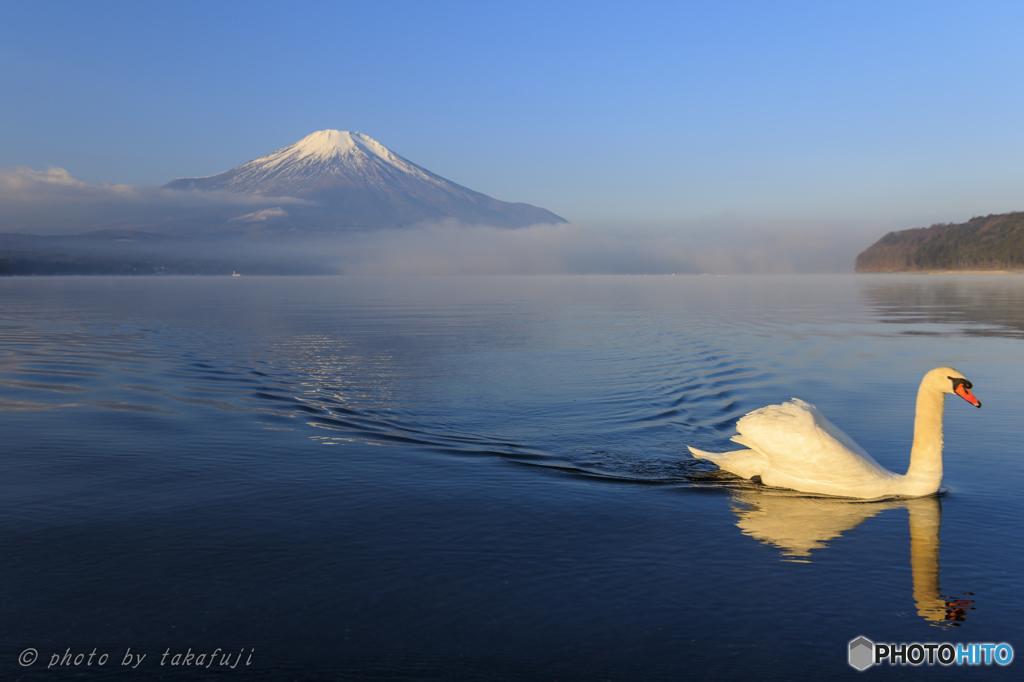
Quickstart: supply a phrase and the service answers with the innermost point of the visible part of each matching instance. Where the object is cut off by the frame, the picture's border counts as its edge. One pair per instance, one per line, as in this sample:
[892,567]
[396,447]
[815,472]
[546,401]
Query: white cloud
[55,202]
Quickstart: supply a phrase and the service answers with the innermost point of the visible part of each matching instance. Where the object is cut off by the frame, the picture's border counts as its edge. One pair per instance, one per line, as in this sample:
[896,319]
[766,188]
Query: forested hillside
[993,242]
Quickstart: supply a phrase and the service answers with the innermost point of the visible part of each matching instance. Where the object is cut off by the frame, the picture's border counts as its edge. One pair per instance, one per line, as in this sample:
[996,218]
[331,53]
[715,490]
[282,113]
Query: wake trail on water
[633,427]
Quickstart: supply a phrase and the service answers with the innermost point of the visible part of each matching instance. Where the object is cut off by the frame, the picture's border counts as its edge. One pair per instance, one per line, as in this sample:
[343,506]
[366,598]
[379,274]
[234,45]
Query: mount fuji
[341,180]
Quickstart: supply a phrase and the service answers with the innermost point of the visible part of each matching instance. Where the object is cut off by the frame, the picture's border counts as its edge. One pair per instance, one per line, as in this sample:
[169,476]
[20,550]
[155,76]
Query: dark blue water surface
[487,478]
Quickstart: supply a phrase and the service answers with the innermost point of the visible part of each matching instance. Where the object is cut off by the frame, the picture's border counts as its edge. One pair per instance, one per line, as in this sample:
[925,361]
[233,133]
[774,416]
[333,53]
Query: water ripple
[630,412]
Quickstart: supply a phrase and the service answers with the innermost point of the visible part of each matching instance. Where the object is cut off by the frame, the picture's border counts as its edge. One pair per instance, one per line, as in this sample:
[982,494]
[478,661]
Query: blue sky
[860,115]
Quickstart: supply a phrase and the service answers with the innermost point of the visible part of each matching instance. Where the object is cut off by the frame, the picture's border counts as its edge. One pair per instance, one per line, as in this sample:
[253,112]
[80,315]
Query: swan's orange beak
[965,393]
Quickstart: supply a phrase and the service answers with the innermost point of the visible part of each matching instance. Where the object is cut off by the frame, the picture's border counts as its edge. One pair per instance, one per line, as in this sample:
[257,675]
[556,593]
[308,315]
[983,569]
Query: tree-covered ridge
[993,242]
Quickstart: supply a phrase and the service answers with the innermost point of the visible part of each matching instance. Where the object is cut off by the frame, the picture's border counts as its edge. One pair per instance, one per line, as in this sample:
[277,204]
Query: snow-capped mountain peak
[362,183]
[327,143]
[324,145]
[326,157]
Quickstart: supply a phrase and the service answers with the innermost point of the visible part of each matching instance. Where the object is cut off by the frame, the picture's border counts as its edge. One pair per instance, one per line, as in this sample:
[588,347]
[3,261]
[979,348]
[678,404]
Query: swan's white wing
[801,445]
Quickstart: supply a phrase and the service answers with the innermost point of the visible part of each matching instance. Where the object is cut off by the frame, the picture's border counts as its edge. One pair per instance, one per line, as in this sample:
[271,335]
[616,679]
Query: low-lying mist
[129,229]
[449,248]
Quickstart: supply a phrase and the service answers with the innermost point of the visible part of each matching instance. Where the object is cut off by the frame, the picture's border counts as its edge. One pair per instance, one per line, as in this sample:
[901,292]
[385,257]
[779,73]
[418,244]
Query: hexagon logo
[862,653]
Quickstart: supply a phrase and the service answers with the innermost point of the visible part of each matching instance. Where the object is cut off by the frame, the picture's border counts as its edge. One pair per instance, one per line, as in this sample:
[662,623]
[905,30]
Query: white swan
[793,446]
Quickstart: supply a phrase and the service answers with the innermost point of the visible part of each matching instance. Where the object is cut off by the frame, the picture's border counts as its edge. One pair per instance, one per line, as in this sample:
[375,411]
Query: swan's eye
[957,381]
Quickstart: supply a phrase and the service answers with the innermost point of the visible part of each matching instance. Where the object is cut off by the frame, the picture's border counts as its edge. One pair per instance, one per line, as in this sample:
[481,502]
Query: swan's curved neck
[926,453]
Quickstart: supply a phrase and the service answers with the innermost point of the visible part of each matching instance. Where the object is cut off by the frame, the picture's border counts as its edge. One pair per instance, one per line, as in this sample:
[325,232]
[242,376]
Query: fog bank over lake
[717,248]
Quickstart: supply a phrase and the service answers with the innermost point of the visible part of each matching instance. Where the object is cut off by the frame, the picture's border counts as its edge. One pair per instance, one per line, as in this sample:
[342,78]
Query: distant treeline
[993,242]
[65,264]
[114,252]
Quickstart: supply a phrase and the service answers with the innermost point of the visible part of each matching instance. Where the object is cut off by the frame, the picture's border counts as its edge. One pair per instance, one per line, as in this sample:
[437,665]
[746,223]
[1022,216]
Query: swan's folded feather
[802,445]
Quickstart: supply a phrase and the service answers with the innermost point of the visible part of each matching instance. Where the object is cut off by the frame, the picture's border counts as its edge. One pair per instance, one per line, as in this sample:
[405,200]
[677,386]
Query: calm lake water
[487,478]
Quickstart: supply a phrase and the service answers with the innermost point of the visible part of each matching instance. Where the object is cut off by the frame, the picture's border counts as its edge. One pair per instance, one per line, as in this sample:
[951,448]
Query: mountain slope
[993,242]
[350,181]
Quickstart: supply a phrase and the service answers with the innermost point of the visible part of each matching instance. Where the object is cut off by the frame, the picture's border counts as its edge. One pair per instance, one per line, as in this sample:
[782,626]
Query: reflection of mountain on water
[798,524]
[983,305]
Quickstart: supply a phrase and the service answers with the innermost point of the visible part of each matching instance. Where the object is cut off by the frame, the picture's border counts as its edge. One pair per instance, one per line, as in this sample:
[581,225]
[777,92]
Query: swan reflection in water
[798,524]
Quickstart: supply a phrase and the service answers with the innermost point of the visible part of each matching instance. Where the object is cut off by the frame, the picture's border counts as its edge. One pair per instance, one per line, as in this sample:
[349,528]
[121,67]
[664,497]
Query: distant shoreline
[940,272]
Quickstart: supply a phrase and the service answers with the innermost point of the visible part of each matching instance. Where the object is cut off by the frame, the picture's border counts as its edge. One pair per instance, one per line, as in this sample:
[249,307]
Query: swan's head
[948,380]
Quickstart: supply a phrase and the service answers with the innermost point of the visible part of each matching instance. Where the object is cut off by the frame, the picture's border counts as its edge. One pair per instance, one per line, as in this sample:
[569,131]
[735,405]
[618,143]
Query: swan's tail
[745,463]
[700,454]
